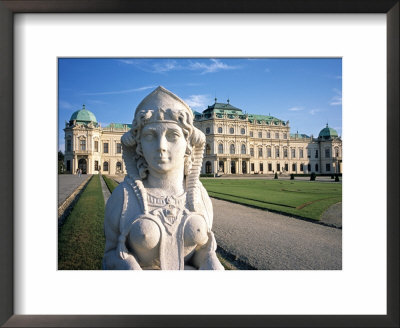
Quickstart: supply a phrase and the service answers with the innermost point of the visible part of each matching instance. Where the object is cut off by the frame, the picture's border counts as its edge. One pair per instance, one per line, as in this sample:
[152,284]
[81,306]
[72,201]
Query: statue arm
[112,259]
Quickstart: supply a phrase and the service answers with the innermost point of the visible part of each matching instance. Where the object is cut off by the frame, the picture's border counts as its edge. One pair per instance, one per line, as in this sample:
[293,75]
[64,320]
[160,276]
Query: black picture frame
[7,10]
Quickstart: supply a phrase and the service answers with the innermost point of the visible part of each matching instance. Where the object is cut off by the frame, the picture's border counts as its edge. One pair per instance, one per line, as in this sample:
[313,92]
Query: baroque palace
[236,143]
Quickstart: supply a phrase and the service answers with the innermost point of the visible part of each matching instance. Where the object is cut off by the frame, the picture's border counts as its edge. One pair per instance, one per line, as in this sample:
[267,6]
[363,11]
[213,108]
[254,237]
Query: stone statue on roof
[160,216]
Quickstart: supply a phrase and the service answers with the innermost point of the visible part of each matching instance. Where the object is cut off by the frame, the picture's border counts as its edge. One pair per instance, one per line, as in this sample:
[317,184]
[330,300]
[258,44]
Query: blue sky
[307,92]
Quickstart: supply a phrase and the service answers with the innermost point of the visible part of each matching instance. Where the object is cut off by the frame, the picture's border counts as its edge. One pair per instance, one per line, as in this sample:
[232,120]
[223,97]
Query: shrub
[276,175]
[206,175]
[336,177]
[312,176]
[332,177]
[292,176]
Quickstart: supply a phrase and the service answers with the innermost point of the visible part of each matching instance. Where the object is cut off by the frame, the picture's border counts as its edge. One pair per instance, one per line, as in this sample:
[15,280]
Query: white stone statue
[160,216]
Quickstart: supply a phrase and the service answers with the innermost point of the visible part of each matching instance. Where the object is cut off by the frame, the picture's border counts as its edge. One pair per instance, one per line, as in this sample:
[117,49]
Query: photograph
[200,163]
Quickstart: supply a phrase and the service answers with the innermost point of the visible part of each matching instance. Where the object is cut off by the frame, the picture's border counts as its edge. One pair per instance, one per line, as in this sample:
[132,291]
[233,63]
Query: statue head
[158,108]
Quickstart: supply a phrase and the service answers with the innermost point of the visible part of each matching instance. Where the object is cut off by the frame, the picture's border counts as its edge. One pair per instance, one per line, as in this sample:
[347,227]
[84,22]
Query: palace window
[220,149]
[327,153]
[261,167]
[309,153]
[232,148]
[293,153]
[286,167]
[285,152]
[69,145]
[260,152]
[278,167]
[269,167]
[252,152]
[269,152]
[119,166]
[301,155]
[243,150]
[208,167]
[208,149]
[207,130]
[252,167]
[276,152]
[251,134]
[96,165]
[231,130]
[105,166]
[284,136]
[105,148]
[336,152]
[276,135]
[268,134]
[301,167]
[119,148]
[294,167]
[316,154]
[316,167]
[309,167]
[328,167]
[242,131]
[219,129]
[260,134]
[82,144]
[96,145]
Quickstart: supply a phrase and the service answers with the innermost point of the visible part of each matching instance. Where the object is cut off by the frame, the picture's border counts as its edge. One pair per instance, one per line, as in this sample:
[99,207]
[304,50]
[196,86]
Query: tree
[61,167]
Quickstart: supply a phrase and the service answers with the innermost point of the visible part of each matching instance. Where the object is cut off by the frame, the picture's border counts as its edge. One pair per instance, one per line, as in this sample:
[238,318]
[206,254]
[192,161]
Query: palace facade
[236,143]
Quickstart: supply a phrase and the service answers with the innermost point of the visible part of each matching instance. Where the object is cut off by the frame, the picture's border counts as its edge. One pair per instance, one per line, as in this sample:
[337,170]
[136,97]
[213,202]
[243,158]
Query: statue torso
[167,235]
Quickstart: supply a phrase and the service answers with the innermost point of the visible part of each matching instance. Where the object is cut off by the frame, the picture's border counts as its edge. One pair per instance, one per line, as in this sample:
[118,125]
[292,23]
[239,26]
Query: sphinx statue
[160,216]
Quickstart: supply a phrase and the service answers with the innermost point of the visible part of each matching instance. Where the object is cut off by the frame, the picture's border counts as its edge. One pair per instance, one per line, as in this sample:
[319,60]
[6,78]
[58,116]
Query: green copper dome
[328,133]
[83,116]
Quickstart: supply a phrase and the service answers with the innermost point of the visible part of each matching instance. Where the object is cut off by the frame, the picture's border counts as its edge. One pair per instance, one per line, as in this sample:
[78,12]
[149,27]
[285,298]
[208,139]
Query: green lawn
[301,198]
[111,184]
[81,239]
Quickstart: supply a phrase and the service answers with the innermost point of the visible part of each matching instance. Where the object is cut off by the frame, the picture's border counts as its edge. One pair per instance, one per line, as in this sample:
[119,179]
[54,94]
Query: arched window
[301,167]
[269,152]
[316,167]
[219,129]
[105,166]
[221,166]
[208,167]
[277,152]
[285,154]
[336,151]
[207,130]
[243,150]
[232,149]
[220,149]
[231,130]
[119,166]
[208,149]
[242,131]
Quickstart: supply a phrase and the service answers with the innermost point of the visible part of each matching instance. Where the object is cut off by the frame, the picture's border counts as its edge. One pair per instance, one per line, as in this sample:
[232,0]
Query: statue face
[163,146]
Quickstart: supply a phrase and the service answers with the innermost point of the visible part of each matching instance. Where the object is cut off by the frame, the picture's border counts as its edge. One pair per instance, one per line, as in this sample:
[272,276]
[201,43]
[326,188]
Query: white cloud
[213,66]
[127,61]
[165,66]
[198,102]
[337,99]
[314,111]
[66,105]
[295,109]
[118,92]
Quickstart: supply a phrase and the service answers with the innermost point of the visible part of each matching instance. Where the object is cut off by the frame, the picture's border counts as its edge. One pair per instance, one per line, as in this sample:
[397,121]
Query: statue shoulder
[122,196]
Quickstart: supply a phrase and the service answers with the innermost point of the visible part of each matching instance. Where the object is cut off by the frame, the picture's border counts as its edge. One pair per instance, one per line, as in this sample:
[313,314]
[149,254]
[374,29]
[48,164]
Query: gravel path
[67,183]
[333,215]
[269,241]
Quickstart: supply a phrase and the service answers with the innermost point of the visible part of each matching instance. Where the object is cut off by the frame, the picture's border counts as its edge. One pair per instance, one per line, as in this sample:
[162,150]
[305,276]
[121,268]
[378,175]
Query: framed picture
[233,300]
